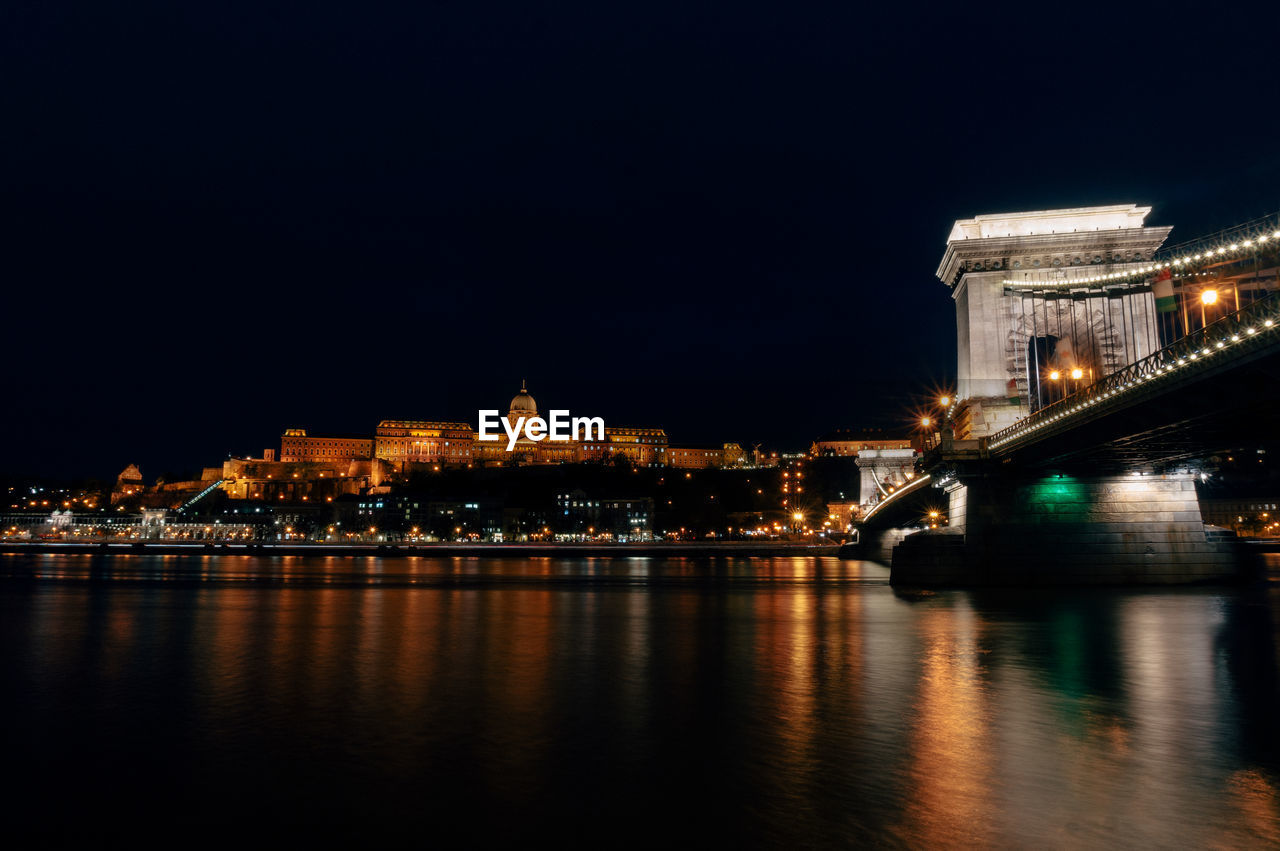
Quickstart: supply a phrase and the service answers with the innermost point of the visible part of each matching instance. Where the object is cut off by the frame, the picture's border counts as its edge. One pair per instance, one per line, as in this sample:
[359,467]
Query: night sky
[221,220]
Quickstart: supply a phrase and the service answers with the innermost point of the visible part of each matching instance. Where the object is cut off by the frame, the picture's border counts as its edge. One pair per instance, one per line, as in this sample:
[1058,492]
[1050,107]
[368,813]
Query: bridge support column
[1066,530]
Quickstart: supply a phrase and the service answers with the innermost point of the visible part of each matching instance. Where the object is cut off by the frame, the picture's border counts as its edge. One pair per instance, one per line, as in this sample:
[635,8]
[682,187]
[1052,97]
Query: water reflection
[753,701]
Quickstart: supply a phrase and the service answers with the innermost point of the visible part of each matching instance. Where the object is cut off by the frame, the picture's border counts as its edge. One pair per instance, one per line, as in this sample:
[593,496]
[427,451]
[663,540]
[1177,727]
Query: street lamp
[1077,373]
[1208,298]
[944,401]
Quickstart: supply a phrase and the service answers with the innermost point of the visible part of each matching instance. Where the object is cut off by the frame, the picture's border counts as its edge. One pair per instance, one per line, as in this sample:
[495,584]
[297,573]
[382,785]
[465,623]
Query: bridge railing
[1248,328]
[1250,235]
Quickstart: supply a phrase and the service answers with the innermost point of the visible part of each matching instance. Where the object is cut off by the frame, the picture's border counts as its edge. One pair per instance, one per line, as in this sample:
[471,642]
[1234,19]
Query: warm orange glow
[1077,373]
[1209,297]
[1055,375]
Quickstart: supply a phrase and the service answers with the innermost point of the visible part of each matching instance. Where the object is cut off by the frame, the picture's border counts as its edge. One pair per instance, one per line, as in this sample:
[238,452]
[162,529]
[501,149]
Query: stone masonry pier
[1066,530]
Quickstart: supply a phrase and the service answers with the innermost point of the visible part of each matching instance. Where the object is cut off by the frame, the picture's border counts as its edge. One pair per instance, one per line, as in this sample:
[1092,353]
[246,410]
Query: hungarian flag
[1012,392]
[1162,289]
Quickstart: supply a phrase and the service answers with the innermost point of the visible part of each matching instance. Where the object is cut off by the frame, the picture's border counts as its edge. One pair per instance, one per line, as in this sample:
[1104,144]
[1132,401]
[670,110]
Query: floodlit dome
[523,404]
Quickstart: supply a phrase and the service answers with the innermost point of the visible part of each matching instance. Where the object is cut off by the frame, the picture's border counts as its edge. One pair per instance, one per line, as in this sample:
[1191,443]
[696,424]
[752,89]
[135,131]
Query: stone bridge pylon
[1022,316]
[1089,402]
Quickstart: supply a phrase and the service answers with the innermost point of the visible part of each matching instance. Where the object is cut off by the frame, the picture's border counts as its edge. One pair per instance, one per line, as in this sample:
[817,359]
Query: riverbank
[654,548]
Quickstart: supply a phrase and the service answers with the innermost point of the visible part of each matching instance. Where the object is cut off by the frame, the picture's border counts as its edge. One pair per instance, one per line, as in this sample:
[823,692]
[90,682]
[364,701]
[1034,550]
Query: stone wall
[1069,530]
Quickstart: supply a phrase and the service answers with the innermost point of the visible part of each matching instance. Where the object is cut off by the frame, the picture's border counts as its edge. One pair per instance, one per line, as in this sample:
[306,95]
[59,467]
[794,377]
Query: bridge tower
[1114,412]
[1028,306]
[881,469]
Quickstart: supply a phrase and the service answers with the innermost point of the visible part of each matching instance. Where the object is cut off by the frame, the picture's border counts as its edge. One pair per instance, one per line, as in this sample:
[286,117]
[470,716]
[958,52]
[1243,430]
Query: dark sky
[220,220]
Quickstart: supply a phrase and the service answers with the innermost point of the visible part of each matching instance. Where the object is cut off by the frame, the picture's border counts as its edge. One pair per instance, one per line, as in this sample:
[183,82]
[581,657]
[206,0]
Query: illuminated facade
[401,442]
[294,482]
[128,484]
[847,444]
[695,457]
[297,445]
[644,447]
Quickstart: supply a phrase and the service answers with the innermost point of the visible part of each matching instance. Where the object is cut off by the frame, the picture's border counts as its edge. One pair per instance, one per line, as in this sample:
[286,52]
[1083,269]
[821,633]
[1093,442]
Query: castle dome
[523,404]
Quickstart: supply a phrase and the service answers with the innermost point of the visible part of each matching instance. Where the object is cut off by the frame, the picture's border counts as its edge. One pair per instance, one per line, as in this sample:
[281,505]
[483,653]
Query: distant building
[618,518]
[847,443]
[297,445]
[129,485]
[321,468]
[762,458]
[401,442]
[842,513]
[695,457]
[644,447]
[1246,516]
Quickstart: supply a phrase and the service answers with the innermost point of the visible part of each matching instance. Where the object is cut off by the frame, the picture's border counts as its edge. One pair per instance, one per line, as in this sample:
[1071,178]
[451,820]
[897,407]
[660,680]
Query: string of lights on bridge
[1222,251]
[1207,348]
[914,485]
[1249,330]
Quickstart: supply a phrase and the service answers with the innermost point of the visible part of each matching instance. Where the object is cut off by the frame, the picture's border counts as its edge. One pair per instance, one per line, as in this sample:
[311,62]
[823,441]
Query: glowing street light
[1077,373]
[944,401]
[1055,375]
[1209,297]
[926,421]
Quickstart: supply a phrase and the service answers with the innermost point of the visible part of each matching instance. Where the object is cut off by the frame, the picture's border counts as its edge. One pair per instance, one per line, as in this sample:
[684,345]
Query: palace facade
[403,443]
[847,443]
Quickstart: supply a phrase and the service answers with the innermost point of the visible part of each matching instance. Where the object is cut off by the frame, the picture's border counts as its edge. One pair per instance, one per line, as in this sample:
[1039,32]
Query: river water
[735,701]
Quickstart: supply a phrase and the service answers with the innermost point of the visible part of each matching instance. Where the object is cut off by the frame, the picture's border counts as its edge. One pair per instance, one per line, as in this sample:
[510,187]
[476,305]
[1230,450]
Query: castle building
[402,442]
[644,447]
[847,443]
[297,445]
[128,484]
[319,469]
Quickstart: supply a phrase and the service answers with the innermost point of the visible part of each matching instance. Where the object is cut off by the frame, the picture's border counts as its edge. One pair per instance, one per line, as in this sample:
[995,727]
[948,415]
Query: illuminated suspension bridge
[1097,371]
